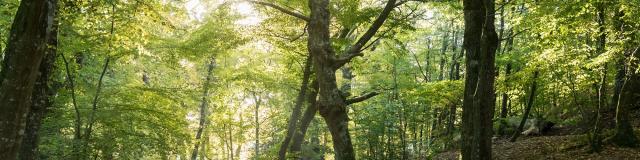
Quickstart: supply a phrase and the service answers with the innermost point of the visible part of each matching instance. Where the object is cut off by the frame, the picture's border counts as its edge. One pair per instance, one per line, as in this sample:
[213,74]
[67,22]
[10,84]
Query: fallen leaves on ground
[550,147]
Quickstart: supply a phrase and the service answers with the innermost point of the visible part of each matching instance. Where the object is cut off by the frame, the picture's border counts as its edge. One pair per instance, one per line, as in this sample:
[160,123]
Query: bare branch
[282,9]
[361,98]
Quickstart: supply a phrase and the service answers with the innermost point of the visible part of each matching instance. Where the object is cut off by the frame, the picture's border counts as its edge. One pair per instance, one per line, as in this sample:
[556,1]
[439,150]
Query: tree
[480,44]
[297,109]
[626,95]
[204,106]
[331,103]
[525,115]
[27,46]
[42,97]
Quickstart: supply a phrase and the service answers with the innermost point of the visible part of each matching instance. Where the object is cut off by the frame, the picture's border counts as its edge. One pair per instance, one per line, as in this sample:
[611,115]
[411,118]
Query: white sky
[197,9]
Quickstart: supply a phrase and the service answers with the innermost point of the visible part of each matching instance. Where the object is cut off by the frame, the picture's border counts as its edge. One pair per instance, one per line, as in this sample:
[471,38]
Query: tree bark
[532,95]
[204,104]
[480,43]
[43,92]
[27,43]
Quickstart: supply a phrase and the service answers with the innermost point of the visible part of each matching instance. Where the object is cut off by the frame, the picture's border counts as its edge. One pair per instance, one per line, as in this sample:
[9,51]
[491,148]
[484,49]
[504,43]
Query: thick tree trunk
[480,43]
[532,95]
[42,94]
[31,28]
[624,135]
[204,104]
[297,108]
[331,103]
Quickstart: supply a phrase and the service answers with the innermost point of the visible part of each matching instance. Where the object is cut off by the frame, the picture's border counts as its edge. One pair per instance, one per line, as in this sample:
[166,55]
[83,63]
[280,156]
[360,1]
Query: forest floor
[561,143]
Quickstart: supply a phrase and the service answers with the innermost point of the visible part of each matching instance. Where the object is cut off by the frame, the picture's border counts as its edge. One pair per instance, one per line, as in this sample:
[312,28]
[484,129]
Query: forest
[319,79]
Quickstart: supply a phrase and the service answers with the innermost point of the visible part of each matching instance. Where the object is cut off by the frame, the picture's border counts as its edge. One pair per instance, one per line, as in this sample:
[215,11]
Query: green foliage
[148,107]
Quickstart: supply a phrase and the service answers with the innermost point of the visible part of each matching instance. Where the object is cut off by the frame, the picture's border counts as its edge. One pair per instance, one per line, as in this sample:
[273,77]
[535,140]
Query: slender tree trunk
[96,97]
[457,65]
[451,119]
[295,114]
[505,95]
[532,95]
[77,134]
[43,92]
[204,105]
[427,61]
[27,43]
[505,99]
[454,55]
[257,118]
[224,140]
[434,125]
[308,116]
[480,43]
[596,140]
[443,54]
[619,80]
[230,134]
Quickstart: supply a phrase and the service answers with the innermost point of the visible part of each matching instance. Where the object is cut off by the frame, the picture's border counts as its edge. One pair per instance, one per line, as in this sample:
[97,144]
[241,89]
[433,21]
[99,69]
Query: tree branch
[405,1]
[361,98]
[281,9]
[393,26]
[355,50]
[514,35]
